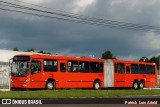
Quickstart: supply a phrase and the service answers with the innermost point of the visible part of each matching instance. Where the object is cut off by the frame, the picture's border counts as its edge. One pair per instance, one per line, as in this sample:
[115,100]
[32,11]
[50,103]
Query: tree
[15,49]
[30,50]
[144,59]
[41,52]
[155,60]
[108,55]
[48,53]
[44,52]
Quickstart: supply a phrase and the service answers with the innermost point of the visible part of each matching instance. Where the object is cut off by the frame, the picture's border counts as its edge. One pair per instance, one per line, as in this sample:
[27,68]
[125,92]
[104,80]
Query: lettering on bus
[21,58]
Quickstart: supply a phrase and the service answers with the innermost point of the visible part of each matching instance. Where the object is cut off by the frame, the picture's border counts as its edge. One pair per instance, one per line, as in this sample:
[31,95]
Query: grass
[76,93]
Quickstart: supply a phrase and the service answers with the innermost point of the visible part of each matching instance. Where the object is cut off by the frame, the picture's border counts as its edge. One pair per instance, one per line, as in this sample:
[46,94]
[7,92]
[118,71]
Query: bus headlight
[26,81]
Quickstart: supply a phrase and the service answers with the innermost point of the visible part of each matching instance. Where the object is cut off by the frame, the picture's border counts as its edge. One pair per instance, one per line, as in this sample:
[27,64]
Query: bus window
[84,66]
[50,65]
[153,69]
[134,68]
[150,69]
[142,69]
[101,68]
[115,67]
[73,66]
[127,70]
[35,67]
[94,67]
[120,68]
[63,67]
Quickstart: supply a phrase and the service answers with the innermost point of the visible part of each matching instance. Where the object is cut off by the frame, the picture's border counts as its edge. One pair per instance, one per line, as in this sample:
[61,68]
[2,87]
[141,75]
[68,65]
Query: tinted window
[50,65]
[94,67]
[120,68]
[150,69]
[63,67]
[142,69]
[101,68]
[35,67]
[127,70]
[73,66]
[84,66]
[134,68]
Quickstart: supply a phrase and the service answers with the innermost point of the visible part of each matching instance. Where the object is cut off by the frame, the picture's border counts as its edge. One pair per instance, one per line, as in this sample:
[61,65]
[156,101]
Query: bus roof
[45,56]
[131,61]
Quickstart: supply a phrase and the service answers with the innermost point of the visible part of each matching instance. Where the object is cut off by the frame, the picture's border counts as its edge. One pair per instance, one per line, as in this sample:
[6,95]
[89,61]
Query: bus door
[128,78]
[36,73]
[119,77]
[74,78]
[62,75]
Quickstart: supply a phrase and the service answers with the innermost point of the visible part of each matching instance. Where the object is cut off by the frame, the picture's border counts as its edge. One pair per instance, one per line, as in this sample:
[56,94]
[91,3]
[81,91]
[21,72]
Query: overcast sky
[68,38]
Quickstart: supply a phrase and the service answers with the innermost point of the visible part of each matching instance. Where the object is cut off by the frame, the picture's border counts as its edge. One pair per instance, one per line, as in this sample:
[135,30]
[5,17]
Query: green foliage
[44,52]
[15,49]
[108,55]
[156,60]
[30,50]
[144,59]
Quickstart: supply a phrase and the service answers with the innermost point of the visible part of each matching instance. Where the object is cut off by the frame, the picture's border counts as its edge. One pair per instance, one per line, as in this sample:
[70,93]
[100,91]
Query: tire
[141,85]
[50,85]
[97,85]
[135,85]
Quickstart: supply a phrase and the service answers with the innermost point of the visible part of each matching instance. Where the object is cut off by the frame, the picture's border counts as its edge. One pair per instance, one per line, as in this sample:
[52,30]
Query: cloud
[37,1]
[26,31]
[148,41]
[81,5]
[3,41]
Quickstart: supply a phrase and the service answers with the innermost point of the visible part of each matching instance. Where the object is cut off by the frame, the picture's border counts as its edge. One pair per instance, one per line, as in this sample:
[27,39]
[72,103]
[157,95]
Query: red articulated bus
[54,71]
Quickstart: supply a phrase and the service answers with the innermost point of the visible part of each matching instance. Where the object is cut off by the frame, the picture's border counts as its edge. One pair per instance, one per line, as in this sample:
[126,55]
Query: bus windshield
[20,68]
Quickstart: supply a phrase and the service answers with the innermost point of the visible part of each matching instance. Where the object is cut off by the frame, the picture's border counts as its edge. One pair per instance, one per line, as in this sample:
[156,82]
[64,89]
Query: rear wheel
[135,85]
[97,85]
[141,85]
[50,85]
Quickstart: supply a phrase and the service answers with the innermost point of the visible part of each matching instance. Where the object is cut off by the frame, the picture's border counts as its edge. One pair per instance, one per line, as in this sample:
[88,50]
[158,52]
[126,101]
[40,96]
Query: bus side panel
[151,81]
[108,73]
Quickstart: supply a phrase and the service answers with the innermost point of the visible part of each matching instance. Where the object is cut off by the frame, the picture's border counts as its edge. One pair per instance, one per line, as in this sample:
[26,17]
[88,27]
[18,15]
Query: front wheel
[97,85]
[50,85]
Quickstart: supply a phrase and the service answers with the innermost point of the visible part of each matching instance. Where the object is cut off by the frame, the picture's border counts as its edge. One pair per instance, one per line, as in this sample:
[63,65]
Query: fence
[4,77]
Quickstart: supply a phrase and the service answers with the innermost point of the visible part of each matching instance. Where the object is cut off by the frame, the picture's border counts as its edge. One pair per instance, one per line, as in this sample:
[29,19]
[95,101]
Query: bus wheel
[141,85]
[135,85]
[97,85]
[50,85]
